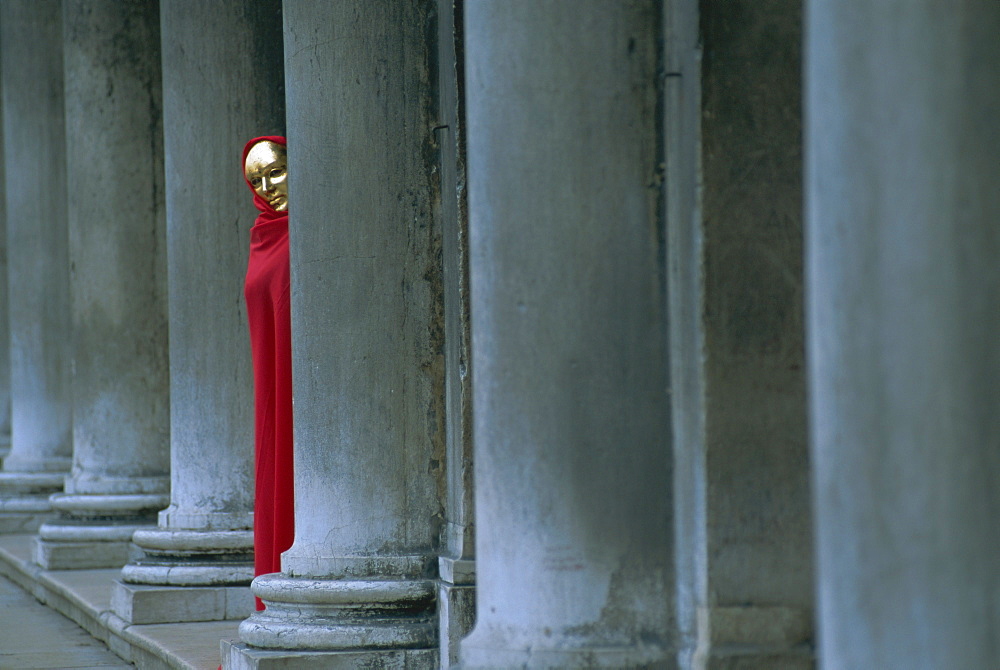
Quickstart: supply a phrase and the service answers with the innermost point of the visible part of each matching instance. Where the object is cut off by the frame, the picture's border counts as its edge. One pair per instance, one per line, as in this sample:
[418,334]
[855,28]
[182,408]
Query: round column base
[187,574]
[94,530]
[61,531]
[327,614]
[24,500]
[192,558]
[121,505]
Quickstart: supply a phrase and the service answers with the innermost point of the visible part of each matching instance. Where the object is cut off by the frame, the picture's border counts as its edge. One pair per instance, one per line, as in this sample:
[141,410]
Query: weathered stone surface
[91,528]
[573,478]
[734,121]
[4,310]
[456,565]
[117,248]
[456,616]
[141,604]
[117,254]
[208,222]
[38,264]
[902,205]
[237,656]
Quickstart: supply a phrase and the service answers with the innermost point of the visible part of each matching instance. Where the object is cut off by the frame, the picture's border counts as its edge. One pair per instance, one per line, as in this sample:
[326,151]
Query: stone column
[118,285]
[357,586]
[572,430]
[4,312]
[38,268]
[222,84]
[902,238]
[456,565]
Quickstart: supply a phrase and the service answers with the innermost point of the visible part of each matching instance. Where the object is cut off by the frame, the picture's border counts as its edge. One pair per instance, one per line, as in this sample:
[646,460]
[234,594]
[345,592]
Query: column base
[24,515]
[93,531]
[328,614]
[456,617]
[759,638]
[24,500]
[143,604]
[186,575]
[456,605]
[237,656]
[192,558]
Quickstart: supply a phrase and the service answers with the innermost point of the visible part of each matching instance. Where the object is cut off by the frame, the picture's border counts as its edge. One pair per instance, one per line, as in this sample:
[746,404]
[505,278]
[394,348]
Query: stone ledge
[84,596]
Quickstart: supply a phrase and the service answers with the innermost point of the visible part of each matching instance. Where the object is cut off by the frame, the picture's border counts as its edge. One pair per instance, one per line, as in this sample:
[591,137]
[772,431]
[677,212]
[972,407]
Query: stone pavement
[34,636]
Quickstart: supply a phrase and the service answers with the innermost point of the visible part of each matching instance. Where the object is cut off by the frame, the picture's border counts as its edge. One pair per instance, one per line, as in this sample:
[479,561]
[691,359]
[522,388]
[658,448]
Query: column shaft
[222,84]
[118,285]
[366,329]
[572,431]
[902,246]
[38,268]
[4,309]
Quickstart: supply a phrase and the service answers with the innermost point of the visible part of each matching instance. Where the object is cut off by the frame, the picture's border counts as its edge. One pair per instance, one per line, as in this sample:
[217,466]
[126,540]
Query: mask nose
[265,184]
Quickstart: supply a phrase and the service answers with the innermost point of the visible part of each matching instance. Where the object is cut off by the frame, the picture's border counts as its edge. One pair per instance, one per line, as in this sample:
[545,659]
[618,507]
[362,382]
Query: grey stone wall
[758,515]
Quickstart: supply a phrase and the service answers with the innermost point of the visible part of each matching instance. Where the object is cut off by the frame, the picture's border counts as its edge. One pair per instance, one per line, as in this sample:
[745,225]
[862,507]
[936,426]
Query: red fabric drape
[267,297]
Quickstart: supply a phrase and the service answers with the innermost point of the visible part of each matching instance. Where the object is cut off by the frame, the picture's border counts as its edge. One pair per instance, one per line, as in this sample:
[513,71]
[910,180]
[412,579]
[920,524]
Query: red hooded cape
[267,295]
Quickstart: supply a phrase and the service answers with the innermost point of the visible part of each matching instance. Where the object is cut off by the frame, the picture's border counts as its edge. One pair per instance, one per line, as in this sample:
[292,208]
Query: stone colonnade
[551,383]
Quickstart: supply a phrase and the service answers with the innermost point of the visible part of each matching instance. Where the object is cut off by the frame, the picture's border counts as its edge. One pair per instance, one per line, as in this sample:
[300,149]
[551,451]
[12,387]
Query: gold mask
[266,168]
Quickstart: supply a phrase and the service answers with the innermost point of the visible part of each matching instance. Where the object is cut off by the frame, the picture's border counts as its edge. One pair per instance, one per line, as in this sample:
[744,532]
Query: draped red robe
[267,297]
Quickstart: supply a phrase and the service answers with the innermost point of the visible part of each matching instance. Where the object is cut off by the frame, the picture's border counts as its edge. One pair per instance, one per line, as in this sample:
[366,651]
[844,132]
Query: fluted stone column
[571,420]
[222,85]
[902,238]
[357,586]
[38,266]
[118,285]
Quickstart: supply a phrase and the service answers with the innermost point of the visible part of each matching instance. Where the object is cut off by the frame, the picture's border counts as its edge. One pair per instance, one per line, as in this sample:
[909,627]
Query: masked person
[265,166]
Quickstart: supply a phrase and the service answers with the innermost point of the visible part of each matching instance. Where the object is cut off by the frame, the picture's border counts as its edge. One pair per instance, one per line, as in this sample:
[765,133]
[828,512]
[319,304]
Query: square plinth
[145,604]
[81,555]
